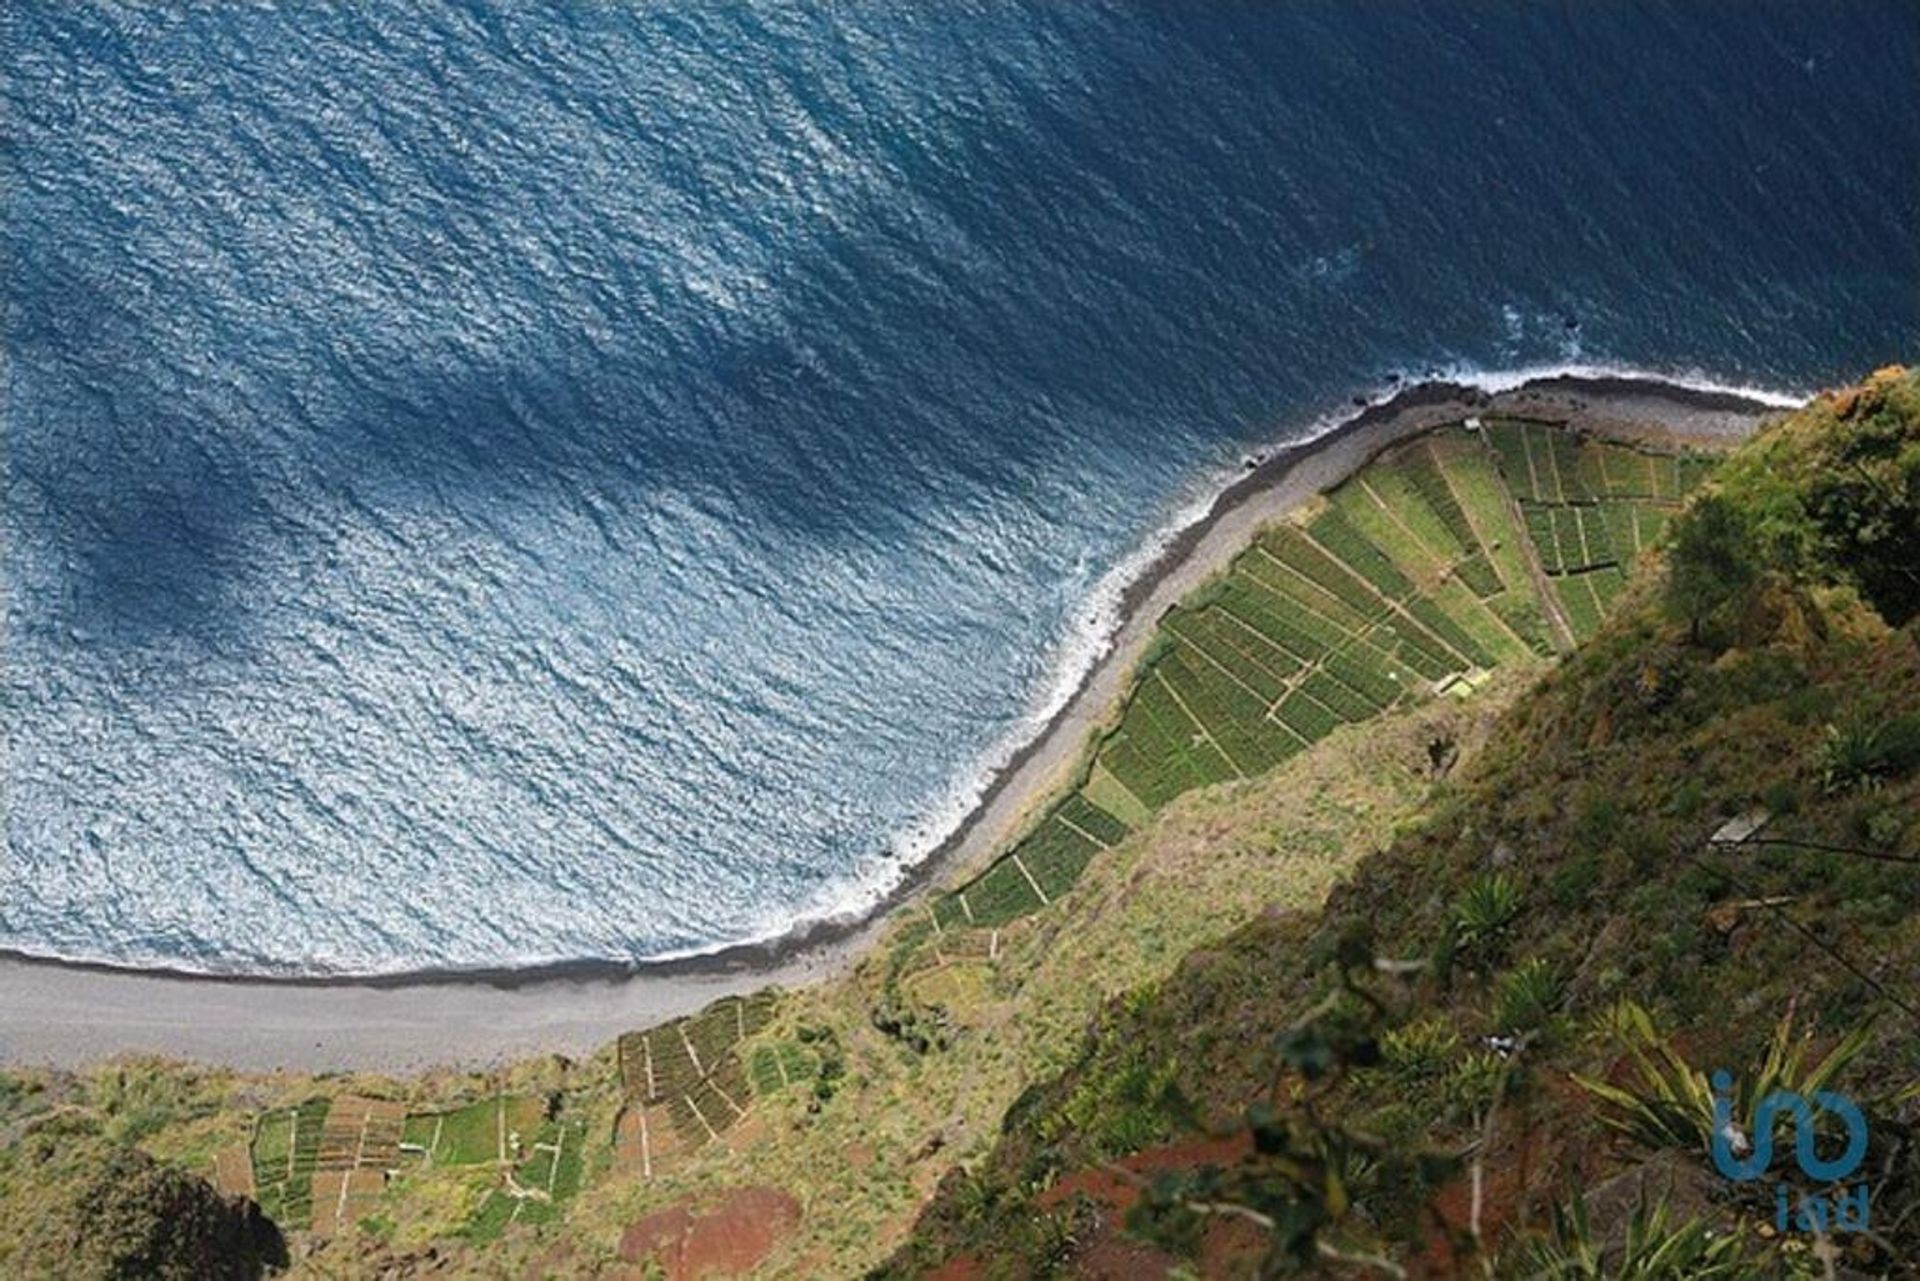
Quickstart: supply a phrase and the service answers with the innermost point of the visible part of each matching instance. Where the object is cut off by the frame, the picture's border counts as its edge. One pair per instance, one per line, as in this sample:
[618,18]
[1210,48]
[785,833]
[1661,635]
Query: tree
[135,1217]
[1712,561]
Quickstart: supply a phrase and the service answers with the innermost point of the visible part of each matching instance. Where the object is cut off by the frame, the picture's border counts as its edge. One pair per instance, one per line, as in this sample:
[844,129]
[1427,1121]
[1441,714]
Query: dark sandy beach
[65,1013]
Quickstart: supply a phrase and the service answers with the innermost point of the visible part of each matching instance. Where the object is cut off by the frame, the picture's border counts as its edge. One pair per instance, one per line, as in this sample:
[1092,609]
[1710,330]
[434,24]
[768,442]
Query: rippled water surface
[487,485]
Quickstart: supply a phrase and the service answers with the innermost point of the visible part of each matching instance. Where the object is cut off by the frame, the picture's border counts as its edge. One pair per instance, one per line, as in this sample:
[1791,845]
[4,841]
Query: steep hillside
[1694,845]
[1478,547]
[1334,692]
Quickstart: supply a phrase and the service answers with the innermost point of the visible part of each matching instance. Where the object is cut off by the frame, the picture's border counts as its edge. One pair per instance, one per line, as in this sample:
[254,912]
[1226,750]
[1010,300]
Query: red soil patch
[1231,1247]
[728,1237]
[1529,1155]
[1118,1193]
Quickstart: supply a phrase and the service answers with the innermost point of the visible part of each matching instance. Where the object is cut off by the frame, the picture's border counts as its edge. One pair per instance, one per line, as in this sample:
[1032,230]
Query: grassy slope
[900,1072]
[1594,800]
[865,1161]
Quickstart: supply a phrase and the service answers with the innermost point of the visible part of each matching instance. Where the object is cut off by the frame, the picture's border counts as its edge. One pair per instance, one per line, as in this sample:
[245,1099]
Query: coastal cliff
[1691,847]
[1595,768]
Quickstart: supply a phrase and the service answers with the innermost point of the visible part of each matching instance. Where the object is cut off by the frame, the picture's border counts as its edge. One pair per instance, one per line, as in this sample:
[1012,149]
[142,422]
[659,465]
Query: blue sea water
[490,484]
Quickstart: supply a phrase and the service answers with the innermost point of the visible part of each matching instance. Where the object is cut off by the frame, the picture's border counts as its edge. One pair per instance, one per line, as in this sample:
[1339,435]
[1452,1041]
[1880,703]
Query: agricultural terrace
[327,1164]
[535,1156]
[283,1151]
[685,1081]
[1460,551]
[1468,548]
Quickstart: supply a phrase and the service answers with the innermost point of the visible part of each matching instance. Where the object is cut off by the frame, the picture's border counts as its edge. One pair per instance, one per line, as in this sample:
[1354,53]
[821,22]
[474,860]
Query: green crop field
[1426,565]
[477,1134]
[470,1135]
[1470,472]
[548,1174]
[775,1067]
[285,1147]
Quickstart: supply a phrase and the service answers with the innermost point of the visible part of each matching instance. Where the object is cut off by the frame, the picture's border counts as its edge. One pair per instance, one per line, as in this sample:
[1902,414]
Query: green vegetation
[478,1134]
[77,1200]
[284,1149]
[546,1176]
[1589,508]
[1413,574]
[1669,1103]
[1833,495]
[1490,1052]
[1657,1246]
[1438,994]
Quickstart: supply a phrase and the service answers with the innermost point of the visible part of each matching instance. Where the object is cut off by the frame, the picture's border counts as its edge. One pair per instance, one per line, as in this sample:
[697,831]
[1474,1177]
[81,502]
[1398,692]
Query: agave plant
[1656,1246]
[1477,1081]
[1851,757]
[1865,752]
[1420,1051]
[1671,1102]
[1485,910]
[1527,997]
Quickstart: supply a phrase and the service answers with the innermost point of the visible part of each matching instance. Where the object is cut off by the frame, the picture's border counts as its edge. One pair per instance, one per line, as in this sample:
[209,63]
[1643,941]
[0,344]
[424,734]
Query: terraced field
[1469,548]
[284,1151]
[359,1144]
[1462,551]
[689,1074]
[539,1158]
[477,1134]
[548,1173]
[775,1067]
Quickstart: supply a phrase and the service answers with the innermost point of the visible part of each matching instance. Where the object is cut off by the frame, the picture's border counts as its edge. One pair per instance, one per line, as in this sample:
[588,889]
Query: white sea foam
[1088,639]
[1498,380]
[1096,623]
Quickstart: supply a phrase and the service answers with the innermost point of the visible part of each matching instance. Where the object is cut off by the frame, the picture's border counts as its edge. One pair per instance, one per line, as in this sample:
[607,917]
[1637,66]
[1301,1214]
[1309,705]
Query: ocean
[489,485]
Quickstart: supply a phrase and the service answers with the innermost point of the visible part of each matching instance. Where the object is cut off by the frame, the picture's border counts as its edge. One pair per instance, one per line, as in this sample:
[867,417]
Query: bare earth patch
[730,1237]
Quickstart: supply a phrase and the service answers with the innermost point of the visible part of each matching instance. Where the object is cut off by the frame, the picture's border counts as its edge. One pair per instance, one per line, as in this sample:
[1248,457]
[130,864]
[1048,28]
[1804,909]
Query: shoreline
[63,1012]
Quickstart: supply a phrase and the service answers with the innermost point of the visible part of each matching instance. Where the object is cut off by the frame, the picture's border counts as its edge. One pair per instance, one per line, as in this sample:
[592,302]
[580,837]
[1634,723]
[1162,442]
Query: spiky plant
[1527,997]
[1486,909]
[1419,1051]
[1656,1245]
[1670,1102]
